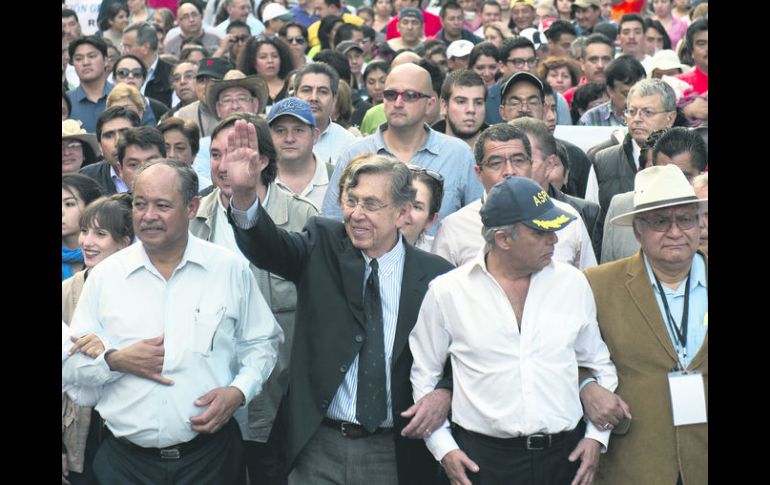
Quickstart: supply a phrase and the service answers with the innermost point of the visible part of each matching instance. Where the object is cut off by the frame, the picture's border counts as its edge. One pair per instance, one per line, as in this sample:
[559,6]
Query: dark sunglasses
[407,95]
[123,72]
[239,38]
[296,40]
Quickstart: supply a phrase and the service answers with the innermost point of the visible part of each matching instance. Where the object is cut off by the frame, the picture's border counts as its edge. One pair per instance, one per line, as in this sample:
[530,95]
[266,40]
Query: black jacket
[159,87]
[100,171]
[329,274]
[589,212]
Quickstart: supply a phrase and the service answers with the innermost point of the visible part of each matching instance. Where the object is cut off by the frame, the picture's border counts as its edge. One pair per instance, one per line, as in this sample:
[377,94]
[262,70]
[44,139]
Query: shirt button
[359,338]
[343,369]
[324,404]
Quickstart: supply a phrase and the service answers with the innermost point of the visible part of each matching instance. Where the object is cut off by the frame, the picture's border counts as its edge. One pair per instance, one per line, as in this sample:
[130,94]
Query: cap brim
[552,220]
[627,219]
[270,121]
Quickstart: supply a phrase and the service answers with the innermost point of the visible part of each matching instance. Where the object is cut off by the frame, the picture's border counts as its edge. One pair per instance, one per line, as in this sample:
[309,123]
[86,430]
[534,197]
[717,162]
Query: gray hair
[401,189]
[489,234]
[650,87]
[145,34]
[318,68]
[499,132]
[188,179]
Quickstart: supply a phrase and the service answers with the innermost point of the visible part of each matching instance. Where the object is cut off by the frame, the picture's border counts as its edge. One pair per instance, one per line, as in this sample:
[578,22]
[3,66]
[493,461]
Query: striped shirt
[602,115]
[391,272]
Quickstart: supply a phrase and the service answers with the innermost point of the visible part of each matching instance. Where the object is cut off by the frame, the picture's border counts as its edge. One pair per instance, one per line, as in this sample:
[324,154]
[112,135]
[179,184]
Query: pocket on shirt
[205,326]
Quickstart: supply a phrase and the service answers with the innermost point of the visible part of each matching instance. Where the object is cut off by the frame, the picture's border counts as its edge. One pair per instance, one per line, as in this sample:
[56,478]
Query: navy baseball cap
[292,106]
[413,12]
[521,199]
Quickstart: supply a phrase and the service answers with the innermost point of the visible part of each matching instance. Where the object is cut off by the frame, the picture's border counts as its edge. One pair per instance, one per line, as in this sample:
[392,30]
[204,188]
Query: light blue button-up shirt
[697,323]
[449,156]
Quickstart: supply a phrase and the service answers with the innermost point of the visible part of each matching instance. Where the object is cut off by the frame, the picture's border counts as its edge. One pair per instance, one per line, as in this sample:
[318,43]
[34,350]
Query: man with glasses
[518,55]
[233,42]
[677,146]
[522,421]
[650,106]
[652,309]
[205,116]
[504,151]
[407,137]
[183,81]
[189,16]
[359,288]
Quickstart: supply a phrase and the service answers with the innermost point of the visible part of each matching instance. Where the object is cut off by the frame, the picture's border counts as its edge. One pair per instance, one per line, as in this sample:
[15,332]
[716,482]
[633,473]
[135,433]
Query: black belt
[539,441]
[352,430]
[174,452]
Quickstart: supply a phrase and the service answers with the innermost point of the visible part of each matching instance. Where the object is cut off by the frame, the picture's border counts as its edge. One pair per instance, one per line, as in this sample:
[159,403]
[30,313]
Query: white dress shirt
[459,238]
[509,382]
[218,331]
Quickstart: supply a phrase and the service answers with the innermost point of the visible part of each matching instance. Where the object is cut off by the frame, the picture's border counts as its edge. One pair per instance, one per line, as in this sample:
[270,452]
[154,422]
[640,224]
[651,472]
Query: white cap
[276,11]
[459,48]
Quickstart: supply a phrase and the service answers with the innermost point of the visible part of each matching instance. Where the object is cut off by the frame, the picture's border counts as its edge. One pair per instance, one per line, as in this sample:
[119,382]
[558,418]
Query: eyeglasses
[296,40]
[369,206]
[496,164]
[239,38]
[188,76]
[190,16]
[71,145]
[430,173]
[518,103]
[238,100]
[519,62]
[407,95]
[663,224]
[645,113]
[123,72]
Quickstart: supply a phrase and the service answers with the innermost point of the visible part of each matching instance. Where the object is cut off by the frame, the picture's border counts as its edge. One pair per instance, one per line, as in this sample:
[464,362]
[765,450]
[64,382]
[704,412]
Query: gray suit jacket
[618,242]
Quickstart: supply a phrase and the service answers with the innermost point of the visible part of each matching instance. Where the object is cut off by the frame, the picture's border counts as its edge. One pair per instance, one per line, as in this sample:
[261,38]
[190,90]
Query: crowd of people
[385,242]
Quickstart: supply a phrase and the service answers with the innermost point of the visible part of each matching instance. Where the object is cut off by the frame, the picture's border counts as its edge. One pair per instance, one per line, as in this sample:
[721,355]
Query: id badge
[688,397]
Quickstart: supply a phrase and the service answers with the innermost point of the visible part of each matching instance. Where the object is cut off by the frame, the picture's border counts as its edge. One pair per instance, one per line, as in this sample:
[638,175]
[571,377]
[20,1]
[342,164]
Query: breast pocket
[205,326]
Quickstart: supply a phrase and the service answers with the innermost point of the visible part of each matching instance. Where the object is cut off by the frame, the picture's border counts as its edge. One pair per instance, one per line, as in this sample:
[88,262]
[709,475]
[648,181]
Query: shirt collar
[137,257]
[388,261]
[431,143]
[697,275]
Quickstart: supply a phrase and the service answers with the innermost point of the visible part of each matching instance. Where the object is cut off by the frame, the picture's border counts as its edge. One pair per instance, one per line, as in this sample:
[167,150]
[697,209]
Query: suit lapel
[351,264]
[640,291]
[409,301]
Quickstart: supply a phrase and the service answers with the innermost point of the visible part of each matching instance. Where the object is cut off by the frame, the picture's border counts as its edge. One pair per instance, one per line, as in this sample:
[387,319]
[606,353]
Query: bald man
[375,116]
[409,97]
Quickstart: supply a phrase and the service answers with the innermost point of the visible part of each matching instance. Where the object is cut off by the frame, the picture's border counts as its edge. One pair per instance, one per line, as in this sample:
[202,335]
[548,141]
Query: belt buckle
[544,439]
[343,430]
[170,454]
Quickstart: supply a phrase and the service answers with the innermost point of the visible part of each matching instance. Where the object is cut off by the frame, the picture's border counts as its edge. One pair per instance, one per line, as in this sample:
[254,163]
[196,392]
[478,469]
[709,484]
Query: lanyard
[680,333]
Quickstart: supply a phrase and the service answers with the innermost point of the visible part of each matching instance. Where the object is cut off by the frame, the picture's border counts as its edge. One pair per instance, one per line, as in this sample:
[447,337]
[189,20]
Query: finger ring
[607,426]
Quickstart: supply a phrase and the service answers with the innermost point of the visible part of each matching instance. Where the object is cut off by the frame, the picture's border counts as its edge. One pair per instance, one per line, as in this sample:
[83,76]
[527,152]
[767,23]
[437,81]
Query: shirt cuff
[245,219]
[587,381]
[600,435]
[441,442]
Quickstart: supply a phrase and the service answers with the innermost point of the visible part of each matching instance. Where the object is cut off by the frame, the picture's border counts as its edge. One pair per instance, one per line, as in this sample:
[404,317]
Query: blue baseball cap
[521,199]
[292,106]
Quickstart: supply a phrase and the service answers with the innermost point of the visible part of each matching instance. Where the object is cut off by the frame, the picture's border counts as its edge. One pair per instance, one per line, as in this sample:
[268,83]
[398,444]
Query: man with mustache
[199,345]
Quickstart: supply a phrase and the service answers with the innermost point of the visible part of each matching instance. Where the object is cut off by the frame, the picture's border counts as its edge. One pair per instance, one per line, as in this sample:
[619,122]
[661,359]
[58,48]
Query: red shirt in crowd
[431,25]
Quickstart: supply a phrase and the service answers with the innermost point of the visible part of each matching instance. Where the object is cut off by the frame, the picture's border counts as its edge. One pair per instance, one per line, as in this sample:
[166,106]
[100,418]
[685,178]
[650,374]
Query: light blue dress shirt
[697,324]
